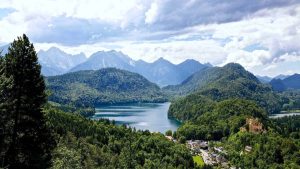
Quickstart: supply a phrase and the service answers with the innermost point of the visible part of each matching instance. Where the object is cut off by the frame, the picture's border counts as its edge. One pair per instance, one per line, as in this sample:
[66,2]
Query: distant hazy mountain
[164,73]
[281,76]
[161,71]
[290,82]
[277,85]
[293,81]
[264,79]
[190,66]
[103,59]
[4,49]
[55,61]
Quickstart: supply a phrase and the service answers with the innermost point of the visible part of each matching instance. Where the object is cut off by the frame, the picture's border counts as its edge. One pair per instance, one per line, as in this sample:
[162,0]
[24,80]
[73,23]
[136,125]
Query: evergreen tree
[5,118]
[27,142]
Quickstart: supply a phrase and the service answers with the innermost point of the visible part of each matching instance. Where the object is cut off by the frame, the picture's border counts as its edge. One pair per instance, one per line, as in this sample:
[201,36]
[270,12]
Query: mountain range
[290,82]
[4,49]
[161,71]
[267,79]
[56,62]
[264,79]
[281,76]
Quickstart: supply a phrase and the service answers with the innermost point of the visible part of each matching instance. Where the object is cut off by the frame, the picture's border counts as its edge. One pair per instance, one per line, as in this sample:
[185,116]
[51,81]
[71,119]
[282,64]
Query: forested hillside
[83,143]
[292,100]
[104,86]
[229,105]
[235,124]
[217,84]
[222,119]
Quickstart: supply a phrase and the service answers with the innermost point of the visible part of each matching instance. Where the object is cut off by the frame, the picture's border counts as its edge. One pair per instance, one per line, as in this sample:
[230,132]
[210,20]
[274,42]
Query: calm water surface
[150,116]
[284,114]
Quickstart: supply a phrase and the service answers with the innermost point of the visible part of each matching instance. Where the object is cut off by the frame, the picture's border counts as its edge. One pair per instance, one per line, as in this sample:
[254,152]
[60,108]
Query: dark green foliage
[169,133]
[269,150]
[223,119]
[105,86]
[86,143]
[84,111]
[26,142]
[190,107]
[288,126]
[291,100]
[278,146]
[229,72]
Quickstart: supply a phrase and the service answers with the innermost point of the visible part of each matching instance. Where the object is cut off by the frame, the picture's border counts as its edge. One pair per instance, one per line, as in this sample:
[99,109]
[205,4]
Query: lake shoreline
[280,115]
[142,116]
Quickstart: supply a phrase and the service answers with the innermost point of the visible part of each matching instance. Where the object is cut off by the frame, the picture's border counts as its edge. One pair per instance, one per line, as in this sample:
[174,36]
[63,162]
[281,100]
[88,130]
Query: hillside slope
[104,86]
[217,84]
[85,143]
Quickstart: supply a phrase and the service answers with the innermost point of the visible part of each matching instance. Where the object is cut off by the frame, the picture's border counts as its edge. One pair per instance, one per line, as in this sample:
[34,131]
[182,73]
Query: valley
[155,84]
[109,114]
[223,106]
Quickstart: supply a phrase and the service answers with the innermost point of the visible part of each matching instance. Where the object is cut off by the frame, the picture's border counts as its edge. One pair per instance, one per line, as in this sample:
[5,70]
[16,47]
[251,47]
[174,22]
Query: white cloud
[260,38]
[248,59]
[113,11]
[270,67]
[151,14]
[177,51]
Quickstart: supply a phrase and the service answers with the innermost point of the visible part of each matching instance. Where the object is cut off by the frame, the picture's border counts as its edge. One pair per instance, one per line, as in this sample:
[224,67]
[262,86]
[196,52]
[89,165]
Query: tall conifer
[27,140]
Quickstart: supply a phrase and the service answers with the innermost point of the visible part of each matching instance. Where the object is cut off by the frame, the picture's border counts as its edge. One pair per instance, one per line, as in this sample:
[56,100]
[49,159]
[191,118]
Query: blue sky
[262,35]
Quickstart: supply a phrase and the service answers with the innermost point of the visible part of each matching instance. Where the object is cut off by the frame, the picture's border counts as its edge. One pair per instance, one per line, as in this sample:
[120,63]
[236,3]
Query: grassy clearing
[198,160]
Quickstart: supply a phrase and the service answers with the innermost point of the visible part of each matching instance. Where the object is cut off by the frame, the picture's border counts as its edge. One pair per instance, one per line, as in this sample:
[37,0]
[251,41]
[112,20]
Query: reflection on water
[283,115]
[150,116]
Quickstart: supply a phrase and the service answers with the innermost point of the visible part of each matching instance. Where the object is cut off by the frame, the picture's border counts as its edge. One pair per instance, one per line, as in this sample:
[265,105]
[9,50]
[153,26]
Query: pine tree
[28,141]
[5,118]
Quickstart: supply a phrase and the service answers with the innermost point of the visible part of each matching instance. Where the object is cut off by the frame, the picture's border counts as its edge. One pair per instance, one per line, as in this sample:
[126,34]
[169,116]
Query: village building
[252,125]
[248,149]
[169,138]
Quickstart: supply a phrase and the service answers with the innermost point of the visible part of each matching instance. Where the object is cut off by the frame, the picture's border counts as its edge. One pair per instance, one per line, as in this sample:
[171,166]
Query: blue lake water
[279,115]
[143,116]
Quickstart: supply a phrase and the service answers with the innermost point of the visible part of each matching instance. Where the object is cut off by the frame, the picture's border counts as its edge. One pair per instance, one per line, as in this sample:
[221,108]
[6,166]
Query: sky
[261,35]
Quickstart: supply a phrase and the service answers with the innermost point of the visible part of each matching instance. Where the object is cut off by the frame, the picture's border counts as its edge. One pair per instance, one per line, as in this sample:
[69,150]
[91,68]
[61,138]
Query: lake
[284,114]
[143,116]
